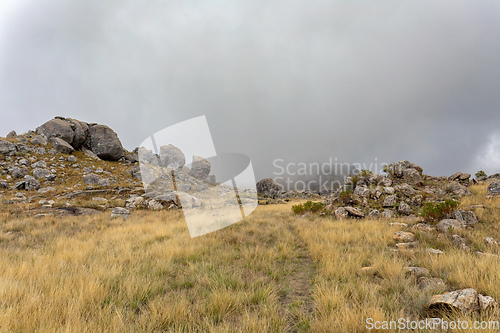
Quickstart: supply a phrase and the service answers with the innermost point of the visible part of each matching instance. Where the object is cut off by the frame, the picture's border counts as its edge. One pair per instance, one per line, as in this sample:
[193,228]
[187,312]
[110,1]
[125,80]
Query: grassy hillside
[273,272]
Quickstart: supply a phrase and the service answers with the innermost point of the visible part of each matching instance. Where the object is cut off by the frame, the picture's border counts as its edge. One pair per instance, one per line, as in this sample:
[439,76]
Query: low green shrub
[366,172]
[345,197]
[435,212]
[308,206]
[480,174]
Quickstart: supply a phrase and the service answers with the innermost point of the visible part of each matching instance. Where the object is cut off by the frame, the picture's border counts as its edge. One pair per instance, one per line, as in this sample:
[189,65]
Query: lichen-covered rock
[403,236]
[200,168]
[400,167]
[448,225]
[417,271]
[120,212]
[431,283]
[388,213]
[269,188]
[355,212]
[341,213]
[405,189]
[457,189]
[404,208]
[465,301]
[465,217]
[390,201]
[362,191]
[412,176]
[493,190]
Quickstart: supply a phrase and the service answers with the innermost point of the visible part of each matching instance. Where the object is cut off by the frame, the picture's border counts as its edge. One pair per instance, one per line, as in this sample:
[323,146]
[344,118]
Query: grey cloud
[302,81]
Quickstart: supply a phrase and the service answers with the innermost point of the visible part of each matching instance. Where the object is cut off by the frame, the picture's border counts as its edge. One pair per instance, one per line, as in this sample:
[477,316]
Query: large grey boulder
[200,168]
[269,188]
[445,226]
[81,130]
[493,190]
[61,145]
[57,128]
[172,156]
[7,147]
[104,142]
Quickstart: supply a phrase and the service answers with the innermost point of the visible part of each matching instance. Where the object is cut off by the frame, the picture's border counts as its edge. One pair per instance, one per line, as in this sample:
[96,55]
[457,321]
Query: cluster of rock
[67,135]
[400,192]
[271,192]
[43,162]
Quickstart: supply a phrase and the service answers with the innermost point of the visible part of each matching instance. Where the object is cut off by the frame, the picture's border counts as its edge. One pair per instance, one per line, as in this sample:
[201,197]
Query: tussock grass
[273,272]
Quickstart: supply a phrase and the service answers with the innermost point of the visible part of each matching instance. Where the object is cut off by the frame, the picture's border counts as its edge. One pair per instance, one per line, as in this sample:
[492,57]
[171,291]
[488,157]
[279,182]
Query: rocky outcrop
[99,139]
[268,188]
[104,142]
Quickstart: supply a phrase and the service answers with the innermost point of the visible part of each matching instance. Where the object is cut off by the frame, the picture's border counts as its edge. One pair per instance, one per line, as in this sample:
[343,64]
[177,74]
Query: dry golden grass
[272,272]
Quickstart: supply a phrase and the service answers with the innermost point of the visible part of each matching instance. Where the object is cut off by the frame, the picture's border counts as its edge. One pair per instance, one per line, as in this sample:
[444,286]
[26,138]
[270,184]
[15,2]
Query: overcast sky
[296,80]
